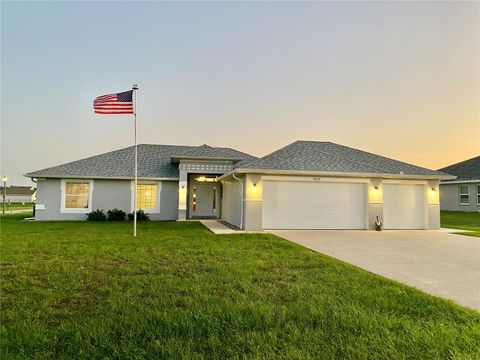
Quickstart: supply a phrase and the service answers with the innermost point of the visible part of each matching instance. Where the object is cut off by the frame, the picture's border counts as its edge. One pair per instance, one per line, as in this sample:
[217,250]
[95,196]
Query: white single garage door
[313,205]
[404,206]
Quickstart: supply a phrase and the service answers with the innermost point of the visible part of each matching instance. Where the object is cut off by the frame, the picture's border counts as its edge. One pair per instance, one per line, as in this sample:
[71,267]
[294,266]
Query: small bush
[116,215]
[97,215]
[141,216]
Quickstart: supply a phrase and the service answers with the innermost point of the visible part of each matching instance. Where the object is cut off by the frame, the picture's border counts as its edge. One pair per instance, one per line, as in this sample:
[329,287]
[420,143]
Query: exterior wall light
[376,187]
[254,186]
[434,189]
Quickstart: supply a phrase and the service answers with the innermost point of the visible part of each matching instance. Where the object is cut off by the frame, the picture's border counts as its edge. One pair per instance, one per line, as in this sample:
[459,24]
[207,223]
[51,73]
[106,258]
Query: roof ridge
[273,152]
[314,141]
[461,162]
[371,153]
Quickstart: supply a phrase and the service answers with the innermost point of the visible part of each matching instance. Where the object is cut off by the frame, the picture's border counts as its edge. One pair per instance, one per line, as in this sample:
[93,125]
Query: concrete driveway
[436,262]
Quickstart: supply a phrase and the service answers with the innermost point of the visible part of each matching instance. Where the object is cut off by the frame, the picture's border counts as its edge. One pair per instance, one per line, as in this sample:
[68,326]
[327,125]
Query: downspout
[242,204]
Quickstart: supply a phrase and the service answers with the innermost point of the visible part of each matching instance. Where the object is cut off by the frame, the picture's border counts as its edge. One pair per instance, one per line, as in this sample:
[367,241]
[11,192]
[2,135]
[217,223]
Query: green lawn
[88,290]
[463,220]
[16,206]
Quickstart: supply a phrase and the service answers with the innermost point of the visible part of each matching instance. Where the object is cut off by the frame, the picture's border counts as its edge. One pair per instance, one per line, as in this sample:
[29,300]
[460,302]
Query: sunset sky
[397,79]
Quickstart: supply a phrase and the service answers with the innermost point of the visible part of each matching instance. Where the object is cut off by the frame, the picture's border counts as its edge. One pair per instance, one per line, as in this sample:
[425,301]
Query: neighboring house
[305,185]
[463,193]
[18,194]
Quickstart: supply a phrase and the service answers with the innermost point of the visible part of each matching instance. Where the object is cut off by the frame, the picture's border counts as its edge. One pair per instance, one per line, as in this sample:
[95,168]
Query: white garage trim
[298,203]
[405,205]
[412,182]
[315,179]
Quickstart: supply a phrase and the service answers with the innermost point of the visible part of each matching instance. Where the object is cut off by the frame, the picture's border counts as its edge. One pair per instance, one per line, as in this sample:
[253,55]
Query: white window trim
[460,196]
[478,194]
[65,210]
[132,193]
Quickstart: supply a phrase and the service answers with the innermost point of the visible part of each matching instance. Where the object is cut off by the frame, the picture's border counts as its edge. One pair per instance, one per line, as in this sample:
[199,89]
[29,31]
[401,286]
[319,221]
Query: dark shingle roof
[154,161]
[318,156]
[464,170]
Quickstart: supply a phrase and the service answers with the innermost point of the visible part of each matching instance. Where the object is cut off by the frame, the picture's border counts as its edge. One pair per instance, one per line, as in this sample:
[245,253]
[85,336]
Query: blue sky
[398,79]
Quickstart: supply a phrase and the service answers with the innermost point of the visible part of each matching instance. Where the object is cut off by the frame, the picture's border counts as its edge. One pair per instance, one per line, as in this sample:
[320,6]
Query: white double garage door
[339,205]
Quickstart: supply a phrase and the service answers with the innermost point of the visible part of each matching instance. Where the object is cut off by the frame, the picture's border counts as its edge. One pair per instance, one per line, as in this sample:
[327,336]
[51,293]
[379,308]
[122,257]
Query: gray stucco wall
[232,202]
[110,194]
[253,217]
[168,202]
[49,196]
[450,197]
[106,195]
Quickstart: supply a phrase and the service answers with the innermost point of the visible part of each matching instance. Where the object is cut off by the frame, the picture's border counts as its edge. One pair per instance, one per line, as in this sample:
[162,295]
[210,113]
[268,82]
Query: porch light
[434,189]
[206,179]
[376,187]
[254,186]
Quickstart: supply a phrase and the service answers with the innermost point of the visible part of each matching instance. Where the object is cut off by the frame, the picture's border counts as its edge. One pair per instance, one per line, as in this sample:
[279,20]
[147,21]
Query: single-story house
[18,194]
[462,193]
[304,185]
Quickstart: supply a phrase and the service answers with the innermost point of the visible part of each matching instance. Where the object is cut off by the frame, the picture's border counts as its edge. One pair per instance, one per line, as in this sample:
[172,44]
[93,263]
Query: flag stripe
[113,112]
[112,107]
[115,105]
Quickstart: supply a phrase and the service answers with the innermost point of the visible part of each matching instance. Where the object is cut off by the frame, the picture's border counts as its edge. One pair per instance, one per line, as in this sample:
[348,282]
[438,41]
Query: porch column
[182,195]
[375,202]
[433,205]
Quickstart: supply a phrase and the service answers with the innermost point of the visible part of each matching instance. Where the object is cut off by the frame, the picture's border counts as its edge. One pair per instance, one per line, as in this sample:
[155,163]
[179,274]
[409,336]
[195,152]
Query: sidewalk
[218,228]
[17,211]
[452,231]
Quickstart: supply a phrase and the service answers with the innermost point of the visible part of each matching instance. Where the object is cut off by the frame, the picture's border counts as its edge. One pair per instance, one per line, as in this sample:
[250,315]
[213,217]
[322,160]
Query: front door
[204,200]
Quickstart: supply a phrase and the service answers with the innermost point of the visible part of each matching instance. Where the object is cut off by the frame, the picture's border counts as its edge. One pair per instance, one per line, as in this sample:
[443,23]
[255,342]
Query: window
[76,196]
[478,194]
[464,195]
[194,199]
[146,196]
[214,204]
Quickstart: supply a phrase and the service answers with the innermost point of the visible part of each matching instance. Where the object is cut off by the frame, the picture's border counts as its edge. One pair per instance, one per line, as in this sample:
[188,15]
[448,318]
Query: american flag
[120,103]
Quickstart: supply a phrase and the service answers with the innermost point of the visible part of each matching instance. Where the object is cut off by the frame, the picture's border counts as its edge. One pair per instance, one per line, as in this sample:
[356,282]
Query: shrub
[116,215]
[97,215]
[141,216]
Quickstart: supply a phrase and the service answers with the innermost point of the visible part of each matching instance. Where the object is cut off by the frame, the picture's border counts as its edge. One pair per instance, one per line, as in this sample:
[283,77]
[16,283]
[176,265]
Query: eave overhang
[337,174]
[49,176]
[471,181]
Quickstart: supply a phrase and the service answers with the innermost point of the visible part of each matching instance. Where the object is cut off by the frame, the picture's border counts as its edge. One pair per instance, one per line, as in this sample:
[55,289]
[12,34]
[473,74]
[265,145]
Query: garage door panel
[404,206]
[310,205]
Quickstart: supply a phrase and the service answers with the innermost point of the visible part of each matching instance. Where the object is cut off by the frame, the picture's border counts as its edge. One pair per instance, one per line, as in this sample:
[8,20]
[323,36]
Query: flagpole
[135,88]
